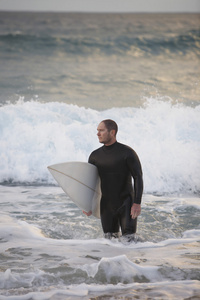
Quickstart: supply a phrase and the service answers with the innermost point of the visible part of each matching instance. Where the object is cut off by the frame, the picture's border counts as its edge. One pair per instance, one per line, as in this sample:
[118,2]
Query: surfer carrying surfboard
[117,164]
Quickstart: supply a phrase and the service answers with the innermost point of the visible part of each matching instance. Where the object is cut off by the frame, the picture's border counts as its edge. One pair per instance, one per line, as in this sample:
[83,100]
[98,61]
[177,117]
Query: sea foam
[166,138]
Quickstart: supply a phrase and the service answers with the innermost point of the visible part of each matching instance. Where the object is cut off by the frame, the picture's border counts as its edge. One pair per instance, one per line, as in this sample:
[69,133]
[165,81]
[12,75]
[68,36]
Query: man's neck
[110,143]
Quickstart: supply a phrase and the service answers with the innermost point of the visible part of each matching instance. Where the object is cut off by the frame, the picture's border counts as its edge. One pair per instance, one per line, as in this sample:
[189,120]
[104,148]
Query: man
[117,164]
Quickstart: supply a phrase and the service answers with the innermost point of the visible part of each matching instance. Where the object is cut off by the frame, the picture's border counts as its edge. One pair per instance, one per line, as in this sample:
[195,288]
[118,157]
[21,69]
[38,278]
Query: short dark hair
[111,125]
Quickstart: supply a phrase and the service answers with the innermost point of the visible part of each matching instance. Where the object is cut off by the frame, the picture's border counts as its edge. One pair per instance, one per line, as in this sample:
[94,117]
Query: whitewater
[165,136]
[50,250]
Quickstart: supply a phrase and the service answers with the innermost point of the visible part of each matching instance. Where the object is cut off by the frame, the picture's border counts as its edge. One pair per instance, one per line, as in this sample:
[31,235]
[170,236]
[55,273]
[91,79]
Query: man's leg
[128,225]
[110,224]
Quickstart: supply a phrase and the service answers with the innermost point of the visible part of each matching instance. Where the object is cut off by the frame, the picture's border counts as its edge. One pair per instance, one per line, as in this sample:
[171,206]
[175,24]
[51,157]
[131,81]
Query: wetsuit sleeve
[135,168]
[91,159]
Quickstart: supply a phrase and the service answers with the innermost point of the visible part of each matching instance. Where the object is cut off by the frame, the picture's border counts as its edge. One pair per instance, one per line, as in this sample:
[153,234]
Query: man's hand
[135,210]
[87,213]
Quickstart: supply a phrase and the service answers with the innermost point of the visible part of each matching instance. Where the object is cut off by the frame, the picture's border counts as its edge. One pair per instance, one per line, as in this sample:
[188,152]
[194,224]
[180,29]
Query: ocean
[60,75]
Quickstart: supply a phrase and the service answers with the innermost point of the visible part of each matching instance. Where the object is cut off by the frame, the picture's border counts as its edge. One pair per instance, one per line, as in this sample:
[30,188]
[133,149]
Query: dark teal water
[99,60]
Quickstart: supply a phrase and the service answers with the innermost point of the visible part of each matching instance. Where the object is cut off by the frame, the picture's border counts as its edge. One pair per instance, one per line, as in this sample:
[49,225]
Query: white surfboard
[81,182]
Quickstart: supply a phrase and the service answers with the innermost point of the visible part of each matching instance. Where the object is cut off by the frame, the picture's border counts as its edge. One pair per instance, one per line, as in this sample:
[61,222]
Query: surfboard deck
[81,182]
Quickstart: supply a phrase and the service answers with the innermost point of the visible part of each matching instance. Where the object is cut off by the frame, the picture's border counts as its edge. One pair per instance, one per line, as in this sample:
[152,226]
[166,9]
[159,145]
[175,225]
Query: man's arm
[89,213]
[136,172]
[135,168]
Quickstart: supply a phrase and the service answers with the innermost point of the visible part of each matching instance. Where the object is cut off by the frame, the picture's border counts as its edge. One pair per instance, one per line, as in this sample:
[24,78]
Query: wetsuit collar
[110,147]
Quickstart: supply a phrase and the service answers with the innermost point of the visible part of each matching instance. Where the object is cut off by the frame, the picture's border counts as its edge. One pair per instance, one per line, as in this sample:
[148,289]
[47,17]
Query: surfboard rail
[81,182]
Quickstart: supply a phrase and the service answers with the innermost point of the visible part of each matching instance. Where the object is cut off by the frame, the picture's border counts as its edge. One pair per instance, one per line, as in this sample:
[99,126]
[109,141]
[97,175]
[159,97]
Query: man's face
[105,137]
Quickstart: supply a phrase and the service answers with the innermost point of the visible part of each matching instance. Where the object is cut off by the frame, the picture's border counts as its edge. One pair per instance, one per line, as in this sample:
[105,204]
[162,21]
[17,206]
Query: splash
[166,137]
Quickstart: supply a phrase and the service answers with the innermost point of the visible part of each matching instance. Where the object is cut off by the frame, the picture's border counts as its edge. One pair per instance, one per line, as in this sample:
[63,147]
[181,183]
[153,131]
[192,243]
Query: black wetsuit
[117,164]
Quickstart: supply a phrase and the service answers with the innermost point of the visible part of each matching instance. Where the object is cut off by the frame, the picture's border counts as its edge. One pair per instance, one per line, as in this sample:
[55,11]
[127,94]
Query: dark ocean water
[60,75]
[99,60]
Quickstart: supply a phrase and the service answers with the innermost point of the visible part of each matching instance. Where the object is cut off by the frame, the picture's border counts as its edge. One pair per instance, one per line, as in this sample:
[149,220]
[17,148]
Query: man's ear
[112,132]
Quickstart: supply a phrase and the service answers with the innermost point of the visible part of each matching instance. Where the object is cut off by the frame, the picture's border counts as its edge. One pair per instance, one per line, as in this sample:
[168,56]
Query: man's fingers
[87,213]
[135,215]
[135,210]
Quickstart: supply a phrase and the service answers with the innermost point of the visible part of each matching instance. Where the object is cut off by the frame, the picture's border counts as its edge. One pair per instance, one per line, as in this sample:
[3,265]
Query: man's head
[107,131]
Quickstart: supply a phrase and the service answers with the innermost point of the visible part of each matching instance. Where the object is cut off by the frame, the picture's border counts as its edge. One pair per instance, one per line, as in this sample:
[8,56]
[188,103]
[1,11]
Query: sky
[102,5]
